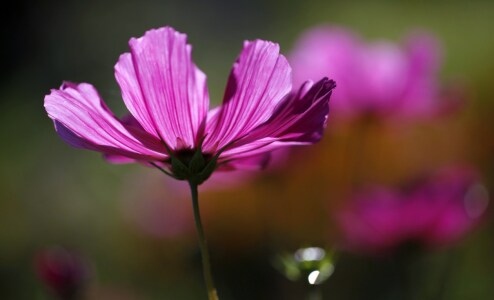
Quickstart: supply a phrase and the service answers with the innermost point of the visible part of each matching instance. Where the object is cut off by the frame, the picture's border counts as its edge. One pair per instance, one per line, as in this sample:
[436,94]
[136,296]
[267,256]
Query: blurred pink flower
[380,78]
[437,212]
[63,272]
[167,97]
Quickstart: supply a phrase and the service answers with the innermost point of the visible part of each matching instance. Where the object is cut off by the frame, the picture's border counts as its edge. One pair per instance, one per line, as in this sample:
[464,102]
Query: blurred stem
[448,272]
[314,293]
[408,285]
[206,266]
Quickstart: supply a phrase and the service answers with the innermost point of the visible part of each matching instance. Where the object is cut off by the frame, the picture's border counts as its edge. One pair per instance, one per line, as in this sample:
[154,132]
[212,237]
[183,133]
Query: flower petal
[83,120]
[129,122]
[259,80]
[118,159]
[298,120]
[163,88]
[251,163]
[422,97]
[302,117]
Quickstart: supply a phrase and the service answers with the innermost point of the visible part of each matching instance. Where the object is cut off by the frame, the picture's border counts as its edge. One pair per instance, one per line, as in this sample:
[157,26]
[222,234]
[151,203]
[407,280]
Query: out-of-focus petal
[372,222]
[385,73]
[455,194]
[424,52]
[83,120]
[421,97]
[65,273]
[437,212]
[259,80]
[162,87]
[381,78]
[325,52]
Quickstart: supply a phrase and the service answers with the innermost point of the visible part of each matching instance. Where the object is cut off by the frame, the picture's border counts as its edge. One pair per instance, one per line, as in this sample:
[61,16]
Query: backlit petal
[83,120]
[163,88]
[259,80]
[298,120]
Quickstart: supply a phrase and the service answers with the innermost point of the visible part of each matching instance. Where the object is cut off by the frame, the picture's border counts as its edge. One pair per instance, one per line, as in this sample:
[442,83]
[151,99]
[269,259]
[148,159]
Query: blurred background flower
[65,274]
[437,212]
[379,78]
[50,194]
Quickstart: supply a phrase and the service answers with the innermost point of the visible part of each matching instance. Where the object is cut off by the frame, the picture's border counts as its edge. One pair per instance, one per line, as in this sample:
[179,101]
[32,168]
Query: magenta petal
[381,78]
[71,138]
[251,163]
[248,149]
[298,120]
[437,212]
[302,117]
[422,96]
[83,120]
[163,88]
[259,80]
[133,125]
[118,159]
[424,52]
[131,93]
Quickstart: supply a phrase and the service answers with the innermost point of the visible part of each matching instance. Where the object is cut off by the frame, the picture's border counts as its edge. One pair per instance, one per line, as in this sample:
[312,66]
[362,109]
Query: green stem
[206,266]
[314,293]
[448,274]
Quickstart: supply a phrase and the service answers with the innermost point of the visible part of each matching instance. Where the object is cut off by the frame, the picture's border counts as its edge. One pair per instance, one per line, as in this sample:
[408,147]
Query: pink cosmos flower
[381,78]
[170,124]
[437,212]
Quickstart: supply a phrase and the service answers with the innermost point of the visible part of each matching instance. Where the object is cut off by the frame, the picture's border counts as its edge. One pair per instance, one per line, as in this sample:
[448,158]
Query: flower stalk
[206,265]
[314,293]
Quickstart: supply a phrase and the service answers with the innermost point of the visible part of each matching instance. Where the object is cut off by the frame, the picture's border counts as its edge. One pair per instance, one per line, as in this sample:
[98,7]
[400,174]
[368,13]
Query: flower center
[187,155]
[192,165]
